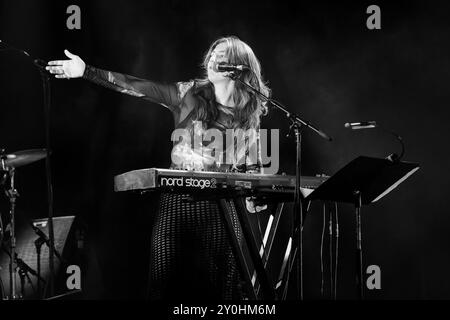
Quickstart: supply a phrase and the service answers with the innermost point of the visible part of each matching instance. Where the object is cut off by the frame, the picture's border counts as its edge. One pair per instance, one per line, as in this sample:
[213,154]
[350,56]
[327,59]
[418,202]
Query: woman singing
[191,254]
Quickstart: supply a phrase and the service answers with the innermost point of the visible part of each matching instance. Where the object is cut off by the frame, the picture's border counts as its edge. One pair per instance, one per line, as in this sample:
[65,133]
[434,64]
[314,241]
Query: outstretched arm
[164,94]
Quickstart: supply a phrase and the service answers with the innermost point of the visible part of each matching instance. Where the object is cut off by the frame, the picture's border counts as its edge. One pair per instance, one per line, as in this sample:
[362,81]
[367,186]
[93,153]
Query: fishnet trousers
[191,252]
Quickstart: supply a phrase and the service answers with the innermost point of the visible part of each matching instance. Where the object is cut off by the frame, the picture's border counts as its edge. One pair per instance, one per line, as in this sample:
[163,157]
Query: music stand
[363,181]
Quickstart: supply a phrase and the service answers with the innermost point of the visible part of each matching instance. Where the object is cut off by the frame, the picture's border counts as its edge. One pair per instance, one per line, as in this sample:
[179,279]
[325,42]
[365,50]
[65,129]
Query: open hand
[67,69]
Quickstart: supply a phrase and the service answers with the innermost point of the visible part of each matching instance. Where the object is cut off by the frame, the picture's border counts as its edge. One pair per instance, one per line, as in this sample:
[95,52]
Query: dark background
[319,59]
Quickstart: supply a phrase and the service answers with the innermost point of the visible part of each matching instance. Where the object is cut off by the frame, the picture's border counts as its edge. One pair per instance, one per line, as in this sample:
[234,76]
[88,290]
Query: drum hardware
[8,165]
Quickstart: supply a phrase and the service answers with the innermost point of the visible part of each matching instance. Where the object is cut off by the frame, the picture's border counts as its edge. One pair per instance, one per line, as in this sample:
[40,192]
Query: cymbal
[24,157]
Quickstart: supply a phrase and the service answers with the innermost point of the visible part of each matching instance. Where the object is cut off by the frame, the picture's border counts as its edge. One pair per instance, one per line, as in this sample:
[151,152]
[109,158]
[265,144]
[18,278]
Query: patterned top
[213,146]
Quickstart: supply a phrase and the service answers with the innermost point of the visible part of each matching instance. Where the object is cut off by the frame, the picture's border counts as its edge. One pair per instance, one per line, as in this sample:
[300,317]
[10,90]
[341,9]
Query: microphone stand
[22,274]
[40,64]
[394,158]
[44,239]
[296,124]
[24,269]
[38,243]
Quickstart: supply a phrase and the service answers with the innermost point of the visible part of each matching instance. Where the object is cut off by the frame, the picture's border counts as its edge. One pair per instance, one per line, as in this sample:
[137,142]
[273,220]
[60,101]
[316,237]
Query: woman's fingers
[252,207]
[56,62]
[52,68]
[57,69]
[261,208]
[68,54]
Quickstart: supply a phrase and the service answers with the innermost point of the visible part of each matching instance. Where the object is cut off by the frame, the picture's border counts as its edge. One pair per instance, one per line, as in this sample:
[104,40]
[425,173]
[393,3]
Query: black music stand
[363,181]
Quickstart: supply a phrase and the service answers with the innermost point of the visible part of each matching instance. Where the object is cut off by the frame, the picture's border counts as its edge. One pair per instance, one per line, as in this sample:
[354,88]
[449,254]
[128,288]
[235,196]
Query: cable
[321,252]
[337,250]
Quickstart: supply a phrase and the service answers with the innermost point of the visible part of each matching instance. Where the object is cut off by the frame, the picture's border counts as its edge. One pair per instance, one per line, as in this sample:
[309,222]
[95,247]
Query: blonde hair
[248,106]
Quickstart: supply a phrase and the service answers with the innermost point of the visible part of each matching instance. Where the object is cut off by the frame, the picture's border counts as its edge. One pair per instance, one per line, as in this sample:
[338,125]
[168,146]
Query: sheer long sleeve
[253,153]
[247,148]
[167,95]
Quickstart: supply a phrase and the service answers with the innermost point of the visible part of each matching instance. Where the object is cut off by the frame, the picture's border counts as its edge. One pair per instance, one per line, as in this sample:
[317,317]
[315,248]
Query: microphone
[40,63]
[46,240]
[40,233]
[223,67]
[361,125]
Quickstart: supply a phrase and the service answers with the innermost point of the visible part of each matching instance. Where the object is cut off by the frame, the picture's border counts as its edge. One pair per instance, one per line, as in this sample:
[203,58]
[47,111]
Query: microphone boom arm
[399,139]
[292,116]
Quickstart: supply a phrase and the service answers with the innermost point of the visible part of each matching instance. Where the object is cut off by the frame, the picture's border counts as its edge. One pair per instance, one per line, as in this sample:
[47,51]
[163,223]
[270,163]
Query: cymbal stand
[12,194]
[3,175]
